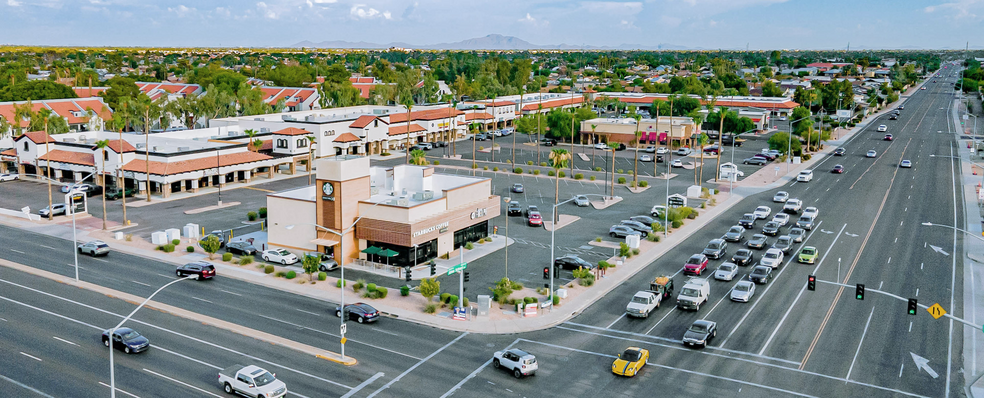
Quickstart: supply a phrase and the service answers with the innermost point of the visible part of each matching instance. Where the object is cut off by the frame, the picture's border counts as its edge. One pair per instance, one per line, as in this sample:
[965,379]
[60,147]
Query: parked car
[677,163]
[200,269]
[621,231]
[761,275]
[712,149]
[94,248]
[700,333]
[517,188]
[87,189]
[218,234]
[651,149]
[645,158]
[279,256]
[726,272]
[9,177]
[480,137]
[327,263]
[359,312]
[548,142]
[117,193]
[242,248]
[780,197]
[581,201]
[743,257]
[126,340]
[602,146]
[684,151]
[645,220]
[515,209]
[772,258]
[644,229]
[735,234]
[658,211]
[808,255]
[716,248]
[695,265]
[630,362]
[757,241]
[519,362]
[757,161]
[743,291]
[571,262]
[662,150]
[57,209]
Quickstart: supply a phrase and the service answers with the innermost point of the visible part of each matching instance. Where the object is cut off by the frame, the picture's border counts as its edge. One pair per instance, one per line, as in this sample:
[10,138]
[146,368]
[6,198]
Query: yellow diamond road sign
[936,311]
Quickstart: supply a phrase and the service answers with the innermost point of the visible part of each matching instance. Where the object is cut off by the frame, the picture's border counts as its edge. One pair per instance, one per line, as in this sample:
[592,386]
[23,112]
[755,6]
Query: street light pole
[112,367]
[75,239]
[553,230]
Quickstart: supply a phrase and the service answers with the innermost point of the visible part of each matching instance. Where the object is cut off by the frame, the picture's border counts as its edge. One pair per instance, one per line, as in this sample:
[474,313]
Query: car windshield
[759,271]
[772,224]
[283,252]
[758,238]
[640,300]
[762,209]
[714,245]
[698,328]
[809,251]
[747,217]
[694,260]
[771,255]
[735,230]
[726,267]
[631,355]
[806,219]
[101,245]
[689,292]
[264,379]
[741,287]
[742,253]
[783,241]
[129,335]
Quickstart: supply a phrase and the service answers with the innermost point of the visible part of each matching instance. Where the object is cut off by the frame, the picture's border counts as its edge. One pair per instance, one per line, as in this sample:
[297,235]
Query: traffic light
[409,273]
[811,283]
[859,291]
[913,306]
[546,272]
[466,276]
[433,268]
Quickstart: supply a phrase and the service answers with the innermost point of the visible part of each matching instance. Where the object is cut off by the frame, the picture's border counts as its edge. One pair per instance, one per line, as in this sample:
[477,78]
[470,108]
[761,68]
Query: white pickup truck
[251,381]
[643,303]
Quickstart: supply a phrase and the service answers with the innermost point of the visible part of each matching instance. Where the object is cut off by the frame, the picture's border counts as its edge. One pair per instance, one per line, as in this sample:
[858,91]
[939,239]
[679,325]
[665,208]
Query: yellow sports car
[630,362]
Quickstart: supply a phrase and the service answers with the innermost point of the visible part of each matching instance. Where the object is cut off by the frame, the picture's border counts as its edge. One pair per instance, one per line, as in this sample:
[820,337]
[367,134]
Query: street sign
[936,310]
[456,268]
[344,340]
[343,329]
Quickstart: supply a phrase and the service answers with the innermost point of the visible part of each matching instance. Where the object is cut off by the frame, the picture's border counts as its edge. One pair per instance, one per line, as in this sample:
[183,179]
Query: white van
[693,294]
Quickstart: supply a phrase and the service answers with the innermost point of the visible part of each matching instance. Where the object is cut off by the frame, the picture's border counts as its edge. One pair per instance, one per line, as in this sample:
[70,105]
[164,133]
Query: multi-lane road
[787,341]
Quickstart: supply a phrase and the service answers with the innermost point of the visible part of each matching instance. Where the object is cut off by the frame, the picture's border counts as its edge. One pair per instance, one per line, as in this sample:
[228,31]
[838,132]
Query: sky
[708,24]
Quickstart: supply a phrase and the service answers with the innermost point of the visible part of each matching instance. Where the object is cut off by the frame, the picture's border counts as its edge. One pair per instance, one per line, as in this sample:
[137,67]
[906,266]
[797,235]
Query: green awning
[371,250]
[387,253]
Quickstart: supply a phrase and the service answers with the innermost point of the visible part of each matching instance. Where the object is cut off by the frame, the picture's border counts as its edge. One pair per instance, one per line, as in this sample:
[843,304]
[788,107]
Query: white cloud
[182,11]
[611,7]
[528,19]
[13,3]
[311,3]
[361,11]
[266,11]
[960,9]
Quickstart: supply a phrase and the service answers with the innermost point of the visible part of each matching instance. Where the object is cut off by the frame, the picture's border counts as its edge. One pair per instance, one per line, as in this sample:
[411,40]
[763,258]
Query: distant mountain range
[490,42]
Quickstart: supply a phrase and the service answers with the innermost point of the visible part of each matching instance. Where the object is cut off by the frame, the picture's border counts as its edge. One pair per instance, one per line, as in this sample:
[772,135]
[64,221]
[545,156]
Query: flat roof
[303,193]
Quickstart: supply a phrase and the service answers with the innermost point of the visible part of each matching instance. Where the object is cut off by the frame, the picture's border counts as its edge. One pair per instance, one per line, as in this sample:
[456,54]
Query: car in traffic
[784,244]
[57,209]
[743,291]
[905,163]
[9,177]
[772,258]
[760,274]
[359,312]
[781,218]
[677,163]
[126,340]
[805,176]
[780,197]
[808,255]
[838,169]
[743,257]
[811,211]
[762,212]
[793,206]
[726,272]
[517,188]
[755,161]
[797,234]
[888,137]
[200,269]
[571,262]
[840,152]
[871,154]
[630,362]
[94,248]
[534,219]
[621,231]
[281,256]
[242,248]
[735,234]
[893,117]
[716,248]
[882,128]
[771,228]
[757,241]
[532,209]
[581,201]
[805,221]
[520,363]
[645,158]
[700,333]
[747,220]
[695,265]
[514,209]
[712,150]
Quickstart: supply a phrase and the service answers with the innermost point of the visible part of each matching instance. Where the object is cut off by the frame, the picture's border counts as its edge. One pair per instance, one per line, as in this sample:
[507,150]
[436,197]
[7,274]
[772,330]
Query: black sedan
[771,228]
[755,161]
[839,152]
[757,241]
[838,169]
[359,312]
[241,248]
[761,274]
[743,257]
[571,262]
[200,269]
[515,209]
[126,340]
[700,333]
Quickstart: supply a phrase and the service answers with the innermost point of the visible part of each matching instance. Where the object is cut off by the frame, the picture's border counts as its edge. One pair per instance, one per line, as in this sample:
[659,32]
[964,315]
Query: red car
[695,265]
[534,220]
[838,169]
[888,137]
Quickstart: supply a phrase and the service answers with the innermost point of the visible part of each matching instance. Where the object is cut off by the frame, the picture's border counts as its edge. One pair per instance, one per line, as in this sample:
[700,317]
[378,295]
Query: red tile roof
[292,131]
[58,155]
[115,146]
[477,116]
[362,79]
[363,121]
[553,103]
[39,137]
[85,92]
[348,137]
[185,166]
[431,114]
[786,104]
[9,152]
[397,130]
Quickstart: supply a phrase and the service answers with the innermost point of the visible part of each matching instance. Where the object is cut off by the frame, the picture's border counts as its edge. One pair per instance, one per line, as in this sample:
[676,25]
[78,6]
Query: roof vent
[183,148]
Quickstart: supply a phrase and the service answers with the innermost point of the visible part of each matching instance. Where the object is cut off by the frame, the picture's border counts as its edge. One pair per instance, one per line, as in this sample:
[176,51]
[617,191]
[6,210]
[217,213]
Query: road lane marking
[52,248]
[183,383]
[18,251]
[917,292]
[124,392]
[880,285]
[421,362]
[900,370]
[910,326]
[63,340]
[335,335]
[31,356]
[363,385]
[201,299]
[858,351]
[141,283]
[25,386]
[308,312]
[226,291]
[616,320]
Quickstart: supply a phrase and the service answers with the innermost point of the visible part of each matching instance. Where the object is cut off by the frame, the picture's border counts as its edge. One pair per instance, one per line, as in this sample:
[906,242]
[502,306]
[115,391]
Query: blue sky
[711,24]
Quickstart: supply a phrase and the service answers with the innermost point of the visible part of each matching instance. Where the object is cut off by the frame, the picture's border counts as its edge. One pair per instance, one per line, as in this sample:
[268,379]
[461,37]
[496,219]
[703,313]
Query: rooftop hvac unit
[82,138]
[258,119]
[233,133]
[140,145]
[309,118]
[402,202]
[183,148]
[154,148]
[428,195]
[373,191]
[418,196]
[264,130]
[288,118]
[394,202]
[69,140]
[404,191]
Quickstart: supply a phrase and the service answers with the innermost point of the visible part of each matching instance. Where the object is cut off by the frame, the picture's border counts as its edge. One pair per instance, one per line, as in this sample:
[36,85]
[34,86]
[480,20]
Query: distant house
[81,114]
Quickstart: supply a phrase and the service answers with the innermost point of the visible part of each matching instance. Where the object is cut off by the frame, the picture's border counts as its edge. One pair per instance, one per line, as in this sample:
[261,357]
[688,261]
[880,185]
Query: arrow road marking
[923,363]
[827,232]
[851,235]
[939,250]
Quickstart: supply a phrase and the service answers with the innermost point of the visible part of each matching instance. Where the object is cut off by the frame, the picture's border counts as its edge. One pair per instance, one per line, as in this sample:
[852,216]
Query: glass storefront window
[471,234]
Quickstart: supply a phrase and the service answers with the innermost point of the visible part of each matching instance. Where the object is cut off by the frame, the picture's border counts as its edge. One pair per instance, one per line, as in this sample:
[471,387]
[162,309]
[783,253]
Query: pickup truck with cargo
[693,294]
[645,302]
[251,381]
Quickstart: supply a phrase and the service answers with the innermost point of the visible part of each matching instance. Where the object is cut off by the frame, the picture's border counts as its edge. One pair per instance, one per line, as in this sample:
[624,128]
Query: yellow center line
[257,189]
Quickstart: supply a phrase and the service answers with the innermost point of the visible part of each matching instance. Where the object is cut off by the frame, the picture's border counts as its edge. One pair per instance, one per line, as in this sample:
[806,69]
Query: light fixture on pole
[553,230]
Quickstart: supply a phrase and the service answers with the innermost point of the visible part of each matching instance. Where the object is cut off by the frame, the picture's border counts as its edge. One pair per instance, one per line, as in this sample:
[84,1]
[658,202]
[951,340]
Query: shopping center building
[408,211]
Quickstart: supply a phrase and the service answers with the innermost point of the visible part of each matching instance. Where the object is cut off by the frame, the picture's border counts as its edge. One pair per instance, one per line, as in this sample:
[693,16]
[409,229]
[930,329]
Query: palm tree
[638,138]
[409,106]
[593,127]
[310,165]
[701,140]
[101,145]
[251,133]
[558,160]
[612,146]
[23,113]
[418,157]
[539,130]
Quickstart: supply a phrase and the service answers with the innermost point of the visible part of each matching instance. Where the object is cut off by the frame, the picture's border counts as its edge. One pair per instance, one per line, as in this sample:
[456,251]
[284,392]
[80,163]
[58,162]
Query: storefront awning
[326,242]
[371,250]
[387,253]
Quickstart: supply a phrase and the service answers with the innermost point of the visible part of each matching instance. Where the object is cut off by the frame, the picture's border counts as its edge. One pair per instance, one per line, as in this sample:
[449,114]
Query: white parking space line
[421,362]
[849,370]
[182,383]
[141,283]
[31,356]
[63,340]
[118,389]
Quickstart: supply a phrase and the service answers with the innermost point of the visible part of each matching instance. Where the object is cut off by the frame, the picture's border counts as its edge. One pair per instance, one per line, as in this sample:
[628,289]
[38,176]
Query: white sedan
[601,146]
[662,150]
[781,197]
[882,128]
[811,211]
[9,177]
[743,291]
[677,163]
[279,256]
[726,272]
[762,212]
[645,158]
[781,218]
[772,258]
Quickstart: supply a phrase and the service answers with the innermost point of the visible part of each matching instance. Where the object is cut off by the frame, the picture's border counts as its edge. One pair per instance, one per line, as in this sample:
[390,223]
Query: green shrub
[279,274]
[464,302]
[453,301]
[677,223]
[190,249]
[175,242]
[486,168]
[169,248]
[543,164]
[371,287]
[437,162]
[716,191]
[226,256]
[268,269]
[644,183]
[340,282]
[530,300]
[692,215]
[381,292]
[385,154]
[322,276]
[578,176]
[550,173]
[605,264]
[291,274]
[806,156]
[494,169]
[652,237]
[474,165]
[556,299]
[635,252]
[252,216]
[657,227]
[529,162]
[598,168]
[587,280]
[561,174]
[515,285]
[536,172]
[592,178]
[624,250]
[620,171]
[244,260]
[518,170]
[598,239]
[469,246]
[632,184]
[358,284]
[444,297]
[430,308]
[621,180]
[405,290]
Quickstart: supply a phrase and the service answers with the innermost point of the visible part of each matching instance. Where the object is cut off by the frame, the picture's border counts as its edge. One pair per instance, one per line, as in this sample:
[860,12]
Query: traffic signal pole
[971,324]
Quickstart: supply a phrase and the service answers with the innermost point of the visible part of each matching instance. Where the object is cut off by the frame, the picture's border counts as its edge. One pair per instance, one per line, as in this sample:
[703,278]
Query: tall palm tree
[496,124]
[611,147]
[101,145]
[251,133]
[593,127]
[310,165]
[638,138]
[23,114]
[539,130]
[558,160]
[409,106]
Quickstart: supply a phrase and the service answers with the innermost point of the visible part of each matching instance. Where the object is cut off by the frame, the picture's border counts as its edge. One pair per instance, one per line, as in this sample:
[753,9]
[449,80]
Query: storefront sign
[442,226]
[478,213]
[329,191]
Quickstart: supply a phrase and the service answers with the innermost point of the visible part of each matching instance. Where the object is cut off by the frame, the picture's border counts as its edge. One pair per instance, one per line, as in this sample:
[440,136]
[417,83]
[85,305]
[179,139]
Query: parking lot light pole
[112,376]
[506,244]
[75,239]
[553,230]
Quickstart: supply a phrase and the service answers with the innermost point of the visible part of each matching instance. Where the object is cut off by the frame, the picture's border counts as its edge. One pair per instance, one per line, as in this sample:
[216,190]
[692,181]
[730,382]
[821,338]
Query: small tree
[429,288]
[310,264]
[210,245]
